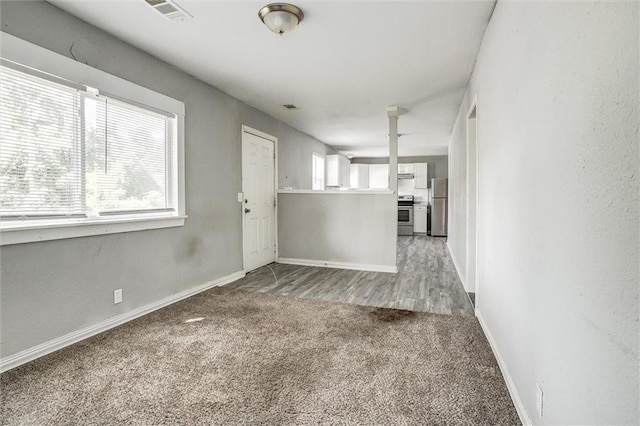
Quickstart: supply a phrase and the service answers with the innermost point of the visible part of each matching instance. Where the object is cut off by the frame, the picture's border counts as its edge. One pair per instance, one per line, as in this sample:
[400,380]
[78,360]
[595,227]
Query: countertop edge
[338,192]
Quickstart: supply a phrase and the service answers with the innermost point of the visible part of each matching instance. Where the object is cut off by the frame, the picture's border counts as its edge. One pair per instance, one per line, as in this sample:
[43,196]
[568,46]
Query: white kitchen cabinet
[359,176]
[378,176]
[419,219]
[345,173]
[420,176]
[406,168]
[338,173]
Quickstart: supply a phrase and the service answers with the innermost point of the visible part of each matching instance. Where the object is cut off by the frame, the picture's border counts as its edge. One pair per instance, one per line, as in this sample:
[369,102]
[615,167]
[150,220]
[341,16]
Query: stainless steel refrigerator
[439,207]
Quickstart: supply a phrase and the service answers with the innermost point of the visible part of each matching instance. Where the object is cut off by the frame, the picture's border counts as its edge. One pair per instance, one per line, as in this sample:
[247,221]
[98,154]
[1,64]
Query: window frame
[313,171]
[60,68]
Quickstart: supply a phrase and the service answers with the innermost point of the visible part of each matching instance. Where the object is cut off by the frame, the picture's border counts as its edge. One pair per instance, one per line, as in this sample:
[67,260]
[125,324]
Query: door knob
[247,210]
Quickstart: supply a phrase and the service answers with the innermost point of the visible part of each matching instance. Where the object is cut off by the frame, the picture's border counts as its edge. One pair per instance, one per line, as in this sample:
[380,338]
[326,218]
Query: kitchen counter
[337,191]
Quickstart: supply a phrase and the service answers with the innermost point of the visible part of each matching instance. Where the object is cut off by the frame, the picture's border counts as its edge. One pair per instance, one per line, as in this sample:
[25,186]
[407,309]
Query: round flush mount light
[281,17]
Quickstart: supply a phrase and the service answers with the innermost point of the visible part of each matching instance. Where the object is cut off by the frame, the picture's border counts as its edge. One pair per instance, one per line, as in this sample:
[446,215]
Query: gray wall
[438,166]
[294,158]
[348,228]
[52,288]
[559,245]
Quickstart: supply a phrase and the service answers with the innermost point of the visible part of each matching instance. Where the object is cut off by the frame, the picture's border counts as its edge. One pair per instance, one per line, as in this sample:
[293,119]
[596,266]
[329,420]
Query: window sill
[29,232]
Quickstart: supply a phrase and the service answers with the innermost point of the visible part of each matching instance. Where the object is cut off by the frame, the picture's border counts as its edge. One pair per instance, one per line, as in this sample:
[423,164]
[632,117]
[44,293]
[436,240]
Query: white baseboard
[339,265]
[76,336]
[462,277]
[513,391]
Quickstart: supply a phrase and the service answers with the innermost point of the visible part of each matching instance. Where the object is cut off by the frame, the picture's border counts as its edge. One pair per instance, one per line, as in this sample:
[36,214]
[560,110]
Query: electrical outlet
[539,400]
[117,296]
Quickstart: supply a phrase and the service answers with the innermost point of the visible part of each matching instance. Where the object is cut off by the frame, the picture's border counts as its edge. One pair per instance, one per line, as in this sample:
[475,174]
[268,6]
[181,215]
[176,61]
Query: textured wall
[557,87]
[294,158]
[56,287]
[347,228]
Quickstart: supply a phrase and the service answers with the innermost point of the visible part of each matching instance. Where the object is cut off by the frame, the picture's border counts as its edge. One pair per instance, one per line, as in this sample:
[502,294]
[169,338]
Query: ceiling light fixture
[281,17]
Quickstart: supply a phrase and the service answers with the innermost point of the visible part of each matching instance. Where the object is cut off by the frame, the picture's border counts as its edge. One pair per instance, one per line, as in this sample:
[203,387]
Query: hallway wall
[557,89]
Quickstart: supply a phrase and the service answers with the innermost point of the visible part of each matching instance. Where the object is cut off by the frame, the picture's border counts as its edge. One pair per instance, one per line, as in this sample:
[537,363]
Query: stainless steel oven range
[405,215]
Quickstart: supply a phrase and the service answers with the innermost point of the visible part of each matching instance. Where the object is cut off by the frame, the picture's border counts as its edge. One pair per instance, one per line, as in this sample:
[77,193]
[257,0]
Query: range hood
[405,175]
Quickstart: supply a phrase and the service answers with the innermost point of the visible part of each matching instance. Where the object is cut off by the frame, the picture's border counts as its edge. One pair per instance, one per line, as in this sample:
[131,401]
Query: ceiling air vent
[169,9]
[290,106]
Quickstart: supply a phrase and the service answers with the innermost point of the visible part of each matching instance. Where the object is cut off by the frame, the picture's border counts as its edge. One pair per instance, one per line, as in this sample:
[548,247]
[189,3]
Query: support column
[393,113]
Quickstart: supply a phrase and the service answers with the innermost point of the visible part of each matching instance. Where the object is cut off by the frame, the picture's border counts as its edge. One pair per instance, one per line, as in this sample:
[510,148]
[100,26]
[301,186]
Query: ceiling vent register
[169,9]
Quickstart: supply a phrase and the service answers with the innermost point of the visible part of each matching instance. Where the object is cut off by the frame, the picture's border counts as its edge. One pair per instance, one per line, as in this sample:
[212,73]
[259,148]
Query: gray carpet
[241,357]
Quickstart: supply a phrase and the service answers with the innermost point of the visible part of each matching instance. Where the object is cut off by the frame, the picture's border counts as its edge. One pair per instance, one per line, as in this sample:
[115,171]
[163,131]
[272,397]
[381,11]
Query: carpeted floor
[241,357]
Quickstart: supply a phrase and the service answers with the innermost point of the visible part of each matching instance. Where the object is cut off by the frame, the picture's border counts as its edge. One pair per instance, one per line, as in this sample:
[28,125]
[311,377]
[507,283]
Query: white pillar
[393,113]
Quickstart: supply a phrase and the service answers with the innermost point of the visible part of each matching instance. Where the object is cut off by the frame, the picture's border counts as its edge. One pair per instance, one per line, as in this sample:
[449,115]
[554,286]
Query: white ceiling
[343,66]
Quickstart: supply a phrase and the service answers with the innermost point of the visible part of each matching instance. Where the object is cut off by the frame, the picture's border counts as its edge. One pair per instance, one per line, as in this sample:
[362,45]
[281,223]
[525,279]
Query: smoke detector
[169,9]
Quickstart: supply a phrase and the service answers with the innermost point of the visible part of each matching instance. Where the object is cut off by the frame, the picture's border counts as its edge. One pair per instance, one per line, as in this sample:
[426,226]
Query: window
[40,147]
[73,156]
[127,167]
[317,172]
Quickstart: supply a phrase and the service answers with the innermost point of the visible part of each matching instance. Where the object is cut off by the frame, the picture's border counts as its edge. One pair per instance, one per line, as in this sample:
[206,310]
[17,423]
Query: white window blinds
[40,152]
[65,152]
[128,157]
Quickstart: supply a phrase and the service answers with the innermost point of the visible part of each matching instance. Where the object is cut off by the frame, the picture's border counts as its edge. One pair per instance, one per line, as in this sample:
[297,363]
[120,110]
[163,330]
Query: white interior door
[258,207]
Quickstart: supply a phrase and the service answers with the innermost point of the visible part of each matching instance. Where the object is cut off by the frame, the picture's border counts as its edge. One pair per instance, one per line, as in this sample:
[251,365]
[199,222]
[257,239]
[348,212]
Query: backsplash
[406,187]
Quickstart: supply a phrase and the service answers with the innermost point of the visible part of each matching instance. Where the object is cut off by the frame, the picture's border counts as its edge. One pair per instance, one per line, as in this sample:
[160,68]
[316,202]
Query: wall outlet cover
[117,296]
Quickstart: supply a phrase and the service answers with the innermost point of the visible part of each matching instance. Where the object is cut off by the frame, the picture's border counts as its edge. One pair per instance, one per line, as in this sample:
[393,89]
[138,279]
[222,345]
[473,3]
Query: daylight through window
[68,152]
[317,172]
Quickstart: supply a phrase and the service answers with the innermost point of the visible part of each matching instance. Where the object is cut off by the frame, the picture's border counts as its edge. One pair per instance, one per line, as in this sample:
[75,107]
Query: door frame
[263,135]
[473,108]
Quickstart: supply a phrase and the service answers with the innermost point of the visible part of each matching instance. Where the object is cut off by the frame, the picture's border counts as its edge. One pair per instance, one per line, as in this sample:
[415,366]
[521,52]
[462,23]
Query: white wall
[557,88]
[457,200]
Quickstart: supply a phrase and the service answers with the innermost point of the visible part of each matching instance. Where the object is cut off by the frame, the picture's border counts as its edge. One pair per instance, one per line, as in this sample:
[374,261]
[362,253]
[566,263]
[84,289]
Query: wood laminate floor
[426,281]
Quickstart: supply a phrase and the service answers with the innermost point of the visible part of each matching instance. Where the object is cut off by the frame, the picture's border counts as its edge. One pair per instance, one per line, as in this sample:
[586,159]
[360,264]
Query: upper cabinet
[378,176]
[338,172]
[359,176]
[420,176]
[406,168]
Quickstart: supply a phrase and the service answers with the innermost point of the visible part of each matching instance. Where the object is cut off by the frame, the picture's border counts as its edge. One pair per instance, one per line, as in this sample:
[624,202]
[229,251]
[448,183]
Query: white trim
[338,265]
[474,104]
[338,191]
[513,391]
[46,61]
[179,170]
[76,336]
[472,108]
[477,277]
[33,232]
[275,193]
[266,136]
[258,133]
[462,277]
